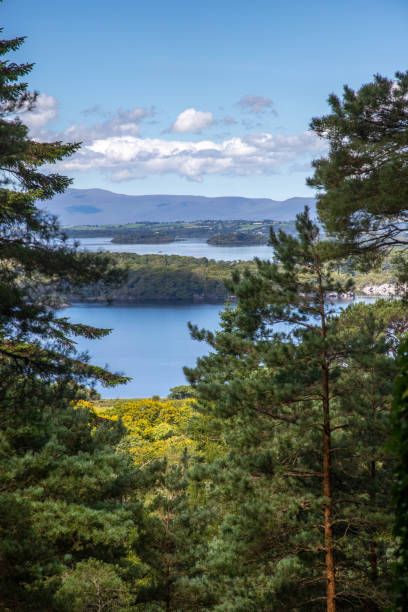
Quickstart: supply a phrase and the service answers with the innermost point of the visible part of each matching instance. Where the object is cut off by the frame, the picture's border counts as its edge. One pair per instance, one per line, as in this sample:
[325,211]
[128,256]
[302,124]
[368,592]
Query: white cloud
[44,111]
[130,157]
[122,122]
[192,120]
[116,148]
[257,104]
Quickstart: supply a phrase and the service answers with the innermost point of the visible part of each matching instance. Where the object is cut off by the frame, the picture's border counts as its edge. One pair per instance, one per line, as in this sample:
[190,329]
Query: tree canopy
[304,397]
[362,182]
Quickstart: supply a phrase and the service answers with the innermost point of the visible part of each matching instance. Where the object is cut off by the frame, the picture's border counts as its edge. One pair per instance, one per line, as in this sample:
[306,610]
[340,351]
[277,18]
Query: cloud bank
[129,157]
[115,146]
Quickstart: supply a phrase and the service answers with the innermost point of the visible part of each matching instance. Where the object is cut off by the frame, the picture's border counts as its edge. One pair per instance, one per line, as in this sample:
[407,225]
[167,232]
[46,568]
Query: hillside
[100,207]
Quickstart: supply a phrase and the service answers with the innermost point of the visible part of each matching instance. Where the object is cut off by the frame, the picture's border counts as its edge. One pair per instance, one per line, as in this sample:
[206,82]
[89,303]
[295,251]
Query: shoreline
[385,290]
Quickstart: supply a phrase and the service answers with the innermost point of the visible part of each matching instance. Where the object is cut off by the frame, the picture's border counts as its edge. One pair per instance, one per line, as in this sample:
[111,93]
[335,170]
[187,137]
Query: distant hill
[101,207]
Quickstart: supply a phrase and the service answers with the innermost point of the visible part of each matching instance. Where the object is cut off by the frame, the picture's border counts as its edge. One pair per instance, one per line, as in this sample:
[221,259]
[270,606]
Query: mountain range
[102,207]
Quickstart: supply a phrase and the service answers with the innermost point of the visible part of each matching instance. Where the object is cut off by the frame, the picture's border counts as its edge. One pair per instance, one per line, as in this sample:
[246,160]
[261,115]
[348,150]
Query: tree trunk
[327,492]
[327,484]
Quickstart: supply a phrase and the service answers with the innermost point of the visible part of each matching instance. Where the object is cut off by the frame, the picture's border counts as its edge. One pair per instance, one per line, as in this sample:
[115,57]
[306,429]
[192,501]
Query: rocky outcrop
[384,290]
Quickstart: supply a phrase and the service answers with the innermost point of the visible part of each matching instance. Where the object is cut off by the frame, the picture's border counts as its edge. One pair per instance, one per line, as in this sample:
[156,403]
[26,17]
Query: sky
[206,98]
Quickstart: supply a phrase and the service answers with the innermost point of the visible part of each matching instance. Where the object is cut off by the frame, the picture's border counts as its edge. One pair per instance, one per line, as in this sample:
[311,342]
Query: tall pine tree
[286,376]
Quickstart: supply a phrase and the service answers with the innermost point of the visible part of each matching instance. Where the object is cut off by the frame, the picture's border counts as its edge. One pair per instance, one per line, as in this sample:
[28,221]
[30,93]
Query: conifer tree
[362,182]
[62,491]
[286,375]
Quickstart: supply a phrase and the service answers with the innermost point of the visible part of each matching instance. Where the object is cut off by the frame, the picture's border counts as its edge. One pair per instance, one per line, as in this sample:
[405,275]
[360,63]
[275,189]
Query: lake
[149,342]
[189,248]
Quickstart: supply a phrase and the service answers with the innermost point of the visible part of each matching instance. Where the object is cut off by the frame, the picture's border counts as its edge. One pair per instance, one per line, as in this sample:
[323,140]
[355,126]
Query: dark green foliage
[263,381]
[163,278]
[399,446]
[173,544]
[363,181]
[168,278]
[362,202]
[238,239]
[62,491]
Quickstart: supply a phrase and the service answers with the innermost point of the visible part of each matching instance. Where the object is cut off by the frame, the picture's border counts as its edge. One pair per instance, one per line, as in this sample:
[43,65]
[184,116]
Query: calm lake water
[150,343]
[180,247]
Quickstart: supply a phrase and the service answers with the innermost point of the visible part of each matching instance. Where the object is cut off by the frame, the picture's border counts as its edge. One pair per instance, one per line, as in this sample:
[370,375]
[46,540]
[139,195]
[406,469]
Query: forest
[177,278]
[277,478]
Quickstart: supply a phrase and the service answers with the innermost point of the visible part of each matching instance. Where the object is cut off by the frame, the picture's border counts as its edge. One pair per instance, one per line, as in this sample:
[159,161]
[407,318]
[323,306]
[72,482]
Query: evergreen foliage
[363,180]
[305,398]
[399,445]
[174,542]
[62,491]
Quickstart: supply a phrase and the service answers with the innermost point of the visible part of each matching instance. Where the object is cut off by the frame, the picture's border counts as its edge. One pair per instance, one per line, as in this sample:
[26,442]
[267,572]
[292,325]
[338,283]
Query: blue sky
[208,98]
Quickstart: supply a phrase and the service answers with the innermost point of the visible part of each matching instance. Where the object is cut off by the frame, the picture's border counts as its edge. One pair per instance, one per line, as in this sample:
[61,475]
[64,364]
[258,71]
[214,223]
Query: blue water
[181,247]
[150,343]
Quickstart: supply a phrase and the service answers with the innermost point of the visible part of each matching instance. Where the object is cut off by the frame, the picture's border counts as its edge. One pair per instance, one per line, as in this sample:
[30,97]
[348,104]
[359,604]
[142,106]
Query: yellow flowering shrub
[156,428]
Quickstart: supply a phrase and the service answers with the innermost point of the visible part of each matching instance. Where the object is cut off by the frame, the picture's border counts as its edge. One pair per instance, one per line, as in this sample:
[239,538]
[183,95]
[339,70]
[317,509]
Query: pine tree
[362,182]
[66,495]
[286,376]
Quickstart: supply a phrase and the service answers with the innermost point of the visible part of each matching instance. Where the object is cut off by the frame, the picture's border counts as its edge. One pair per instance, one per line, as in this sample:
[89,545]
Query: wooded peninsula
[176,278]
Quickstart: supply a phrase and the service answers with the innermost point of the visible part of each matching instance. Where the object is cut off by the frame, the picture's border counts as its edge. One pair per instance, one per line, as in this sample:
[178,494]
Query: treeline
[152,278]
[172,278]
[239,238]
